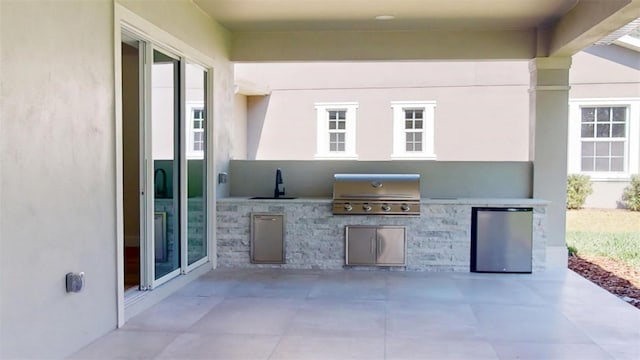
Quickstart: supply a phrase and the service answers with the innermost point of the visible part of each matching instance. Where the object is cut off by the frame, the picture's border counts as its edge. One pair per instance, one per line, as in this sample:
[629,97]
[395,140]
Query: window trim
[632,142]
[322,131]
[399,132]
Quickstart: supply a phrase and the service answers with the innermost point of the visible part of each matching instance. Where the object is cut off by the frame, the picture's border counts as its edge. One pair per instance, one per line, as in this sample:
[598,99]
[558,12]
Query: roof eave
[628,42]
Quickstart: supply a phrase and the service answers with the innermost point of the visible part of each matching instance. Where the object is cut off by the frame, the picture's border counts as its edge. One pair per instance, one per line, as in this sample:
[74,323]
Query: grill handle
[375,196]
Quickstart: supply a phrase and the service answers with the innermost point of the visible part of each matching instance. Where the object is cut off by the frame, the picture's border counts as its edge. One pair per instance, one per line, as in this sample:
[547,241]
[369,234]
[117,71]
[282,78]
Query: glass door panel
[133,52]
[165,120]
[196,149]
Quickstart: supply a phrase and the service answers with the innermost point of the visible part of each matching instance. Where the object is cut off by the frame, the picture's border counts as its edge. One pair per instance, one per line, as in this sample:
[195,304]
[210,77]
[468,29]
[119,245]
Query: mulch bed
[619,279]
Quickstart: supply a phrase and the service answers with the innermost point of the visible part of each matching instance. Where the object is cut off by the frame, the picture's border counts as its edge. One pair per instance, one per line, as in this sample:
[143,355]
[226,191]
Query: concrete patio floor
[351,314]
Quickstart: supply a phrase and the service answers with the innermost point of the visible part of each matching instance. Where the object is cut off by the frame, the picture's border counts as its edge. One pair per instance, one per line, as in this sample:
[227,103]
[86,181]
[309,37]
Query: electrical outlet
[223,178]
[75,282]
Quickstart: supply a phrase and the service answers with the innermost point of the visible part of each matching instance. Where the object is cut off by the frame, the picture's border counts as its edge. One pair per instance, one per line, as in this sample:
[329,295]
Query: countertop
[439,200]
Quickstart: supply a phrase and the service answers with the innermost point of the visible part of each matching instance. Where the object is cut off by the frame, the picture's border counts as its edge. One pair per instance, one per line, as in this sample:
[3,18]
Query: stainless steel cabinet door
[361,245]
[391,245]
[267,238]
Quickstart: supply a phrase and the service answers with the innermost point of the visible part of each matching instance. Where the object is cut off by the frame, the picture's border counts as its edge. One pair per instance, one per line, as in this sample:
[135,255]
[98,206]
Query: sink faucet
[161,190]
[279,190]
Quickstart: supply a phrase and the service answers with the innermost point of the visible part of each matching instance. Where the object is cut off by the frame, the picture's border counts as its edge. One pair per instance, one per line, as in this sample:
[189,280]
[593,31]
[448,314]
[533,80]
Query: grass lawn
[611,233]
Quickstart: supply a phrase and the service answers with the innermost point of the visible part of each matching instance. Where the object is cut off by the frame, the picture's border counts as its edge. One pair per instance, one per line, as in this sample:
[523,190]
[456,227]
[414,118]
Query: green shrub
[572,250]
[631,195]
[578,188]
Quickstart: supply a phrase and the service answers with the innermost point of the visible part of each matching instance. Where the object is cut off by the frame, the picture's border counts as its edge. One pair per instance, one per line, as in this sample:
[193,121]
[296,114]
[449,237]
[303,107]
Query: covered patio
[308,314]
[62,196]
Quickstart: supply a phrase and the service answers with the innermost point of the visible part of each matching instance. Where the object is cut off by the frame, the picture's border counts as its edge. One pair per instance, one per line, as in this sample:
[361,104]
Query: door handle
[371,245]
[143,184]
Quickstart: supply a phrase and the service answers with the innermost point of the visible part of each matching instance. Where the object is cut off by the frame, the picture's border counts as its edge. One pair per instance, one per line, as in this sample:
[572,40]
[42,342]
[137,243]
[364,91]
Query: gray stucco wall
[438,179]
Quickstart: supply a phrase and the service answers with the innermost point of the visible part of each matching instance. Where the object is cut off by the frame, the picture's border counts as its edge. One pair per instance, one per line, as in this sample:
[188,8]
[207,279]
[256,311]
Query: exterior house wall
[608,72]
[239,127]
[58,190]
[57,187]
[487,98]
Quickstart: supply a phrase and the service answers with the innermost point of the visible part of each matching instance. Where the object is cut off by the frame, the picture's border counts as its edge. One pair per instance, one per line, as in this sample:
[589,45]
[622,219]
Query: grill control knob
[405,207]
[348,207]
[366,207]
[386,207]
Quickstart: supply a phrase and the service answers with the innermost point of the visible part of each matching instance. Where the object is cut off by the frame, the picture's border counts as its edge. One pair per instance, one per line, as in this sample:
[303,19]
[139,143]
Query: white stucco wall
[606,195]
[58,208]
[240,127]
[58,189]
[481,107]
[605,71]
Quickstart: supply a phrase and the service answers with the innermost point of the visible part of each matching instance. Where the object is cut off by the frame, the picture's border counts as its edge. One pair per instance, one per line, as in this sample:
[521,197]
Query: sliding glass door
[171,150]
[195,130]
[165,165]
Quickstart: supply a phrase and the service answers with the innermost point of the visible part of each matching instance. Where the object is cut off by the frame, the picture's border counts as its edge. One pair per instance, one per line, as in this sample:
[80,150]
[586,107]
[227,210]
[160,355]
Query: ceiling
[315,15]
[338,30]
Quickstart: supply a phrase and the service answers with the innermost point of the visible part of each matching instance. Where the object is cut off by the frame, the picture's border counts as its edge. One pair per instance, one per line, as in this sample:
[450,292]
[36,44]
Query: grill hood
[376,194]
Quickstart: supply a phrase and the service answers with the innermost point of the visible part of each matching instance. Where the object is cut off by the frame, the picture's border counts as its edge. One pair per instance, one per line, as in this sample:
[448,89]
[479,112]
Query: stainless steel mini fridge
[501,239]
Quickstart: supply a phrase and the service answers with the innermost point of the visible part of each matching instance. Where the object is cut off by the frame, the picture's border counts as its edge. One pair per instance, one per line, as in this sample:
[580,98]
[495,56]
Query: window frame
[191,108]
[131,25]
[400,132]
[323,131]
[631,140]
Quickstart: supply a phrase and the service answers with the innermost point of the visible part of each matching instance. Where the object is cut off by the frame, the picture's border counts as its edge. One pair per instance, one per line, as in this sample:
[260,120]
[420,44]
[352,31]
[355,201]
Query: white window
[196,125]
[413,130]
[336,128]
[604,137]
[198,129]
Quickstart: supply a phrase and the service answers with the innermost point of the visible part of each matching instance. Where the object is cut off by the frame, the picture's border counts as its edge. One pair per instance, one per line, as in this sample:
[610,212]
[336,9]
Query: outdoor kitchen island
[438,239]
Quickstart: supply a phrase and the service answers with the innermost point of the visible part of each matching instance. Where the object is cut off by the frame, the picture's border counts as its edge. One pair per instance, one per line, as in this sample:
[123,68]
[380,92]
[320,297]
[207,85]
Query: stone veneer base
[437,240]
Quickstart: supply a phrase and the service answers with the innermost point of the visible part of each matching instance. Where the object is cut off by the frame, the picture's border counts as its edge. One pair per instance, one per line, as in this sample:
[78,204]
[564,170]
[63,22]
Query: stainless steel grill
[376,194]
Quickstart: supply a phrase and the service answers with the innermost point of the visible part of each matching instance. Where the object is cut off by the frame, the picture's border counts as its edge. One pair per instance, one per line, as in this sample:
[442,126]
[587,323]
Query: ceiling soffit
[355,15]
[334,30]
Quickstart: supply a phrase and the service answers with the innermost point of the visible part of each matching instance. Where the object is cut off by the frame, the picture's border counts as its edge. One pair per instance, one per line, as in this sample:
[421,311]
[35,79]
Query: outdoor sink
[272,198]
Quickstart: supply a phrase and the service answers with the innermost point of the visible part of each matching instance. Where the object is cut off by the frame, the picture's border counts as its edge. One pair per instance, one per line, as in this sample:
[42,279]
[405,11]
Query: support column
[548,134]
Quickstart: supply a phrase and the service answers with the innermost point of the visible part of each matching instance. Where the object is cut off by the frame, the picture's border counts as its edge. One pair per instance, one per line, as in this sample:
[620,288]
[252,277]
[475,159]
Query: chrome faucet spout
[279,189]
[160,190]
